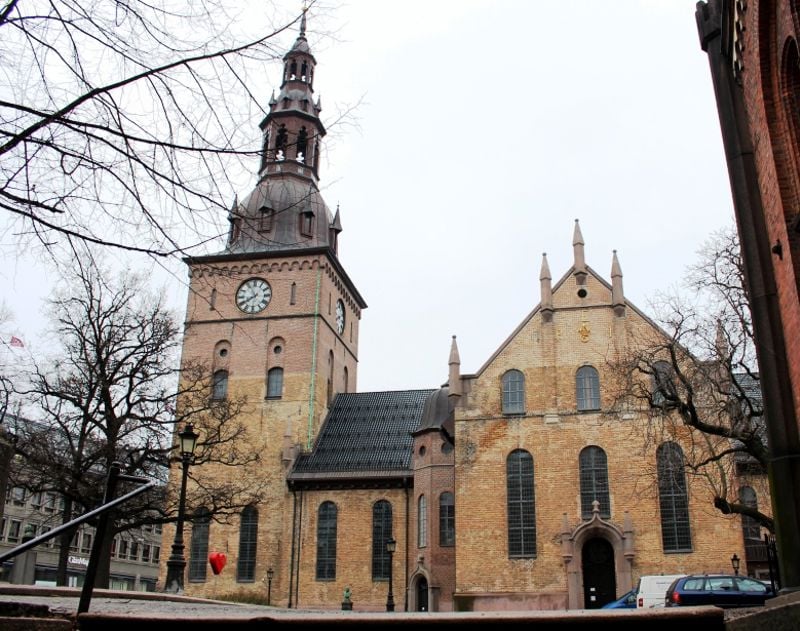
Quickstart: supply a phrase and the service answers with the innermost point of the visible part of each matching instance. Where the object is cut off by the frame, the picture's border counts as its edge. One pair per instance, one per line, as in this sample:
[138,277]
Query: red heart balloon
[217,561]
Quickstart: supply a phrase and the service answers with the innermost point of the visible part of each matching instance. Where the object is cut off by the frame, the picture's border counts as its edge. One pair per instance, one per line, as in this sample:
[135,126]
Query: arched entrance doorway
[599,582]
[422,594]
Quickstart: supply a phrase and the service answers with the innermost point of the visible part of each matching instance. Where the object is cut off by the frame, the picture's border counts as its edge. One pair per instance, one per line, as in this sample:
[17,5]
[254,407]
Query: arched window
[198,546]
[521,504]
[275,383]
[513,392]
[248,542]
[280,143]
[594,481]
[381,533]
[673,499]
[346,375]
[302,145]
[326,542]
[587,386]
[751,529]
[330,377]
[663,387]
[447,519]
[422,522]
[219,388]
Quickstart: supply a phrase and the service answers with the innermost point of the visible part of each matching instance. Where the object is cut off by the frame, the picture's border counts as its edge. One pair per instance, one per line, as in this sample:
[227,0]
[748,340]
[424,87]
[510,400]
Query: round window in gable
[582,292]
[223,352]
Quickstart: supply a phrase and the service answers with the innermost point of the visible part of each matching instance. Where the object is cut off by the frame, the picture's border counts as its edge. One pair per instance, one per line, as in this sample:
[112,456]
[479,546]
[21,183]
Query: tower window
[307,222]
[266,218]
[219,385]
[302,142]
[281,141]
[447,519]
[275,382]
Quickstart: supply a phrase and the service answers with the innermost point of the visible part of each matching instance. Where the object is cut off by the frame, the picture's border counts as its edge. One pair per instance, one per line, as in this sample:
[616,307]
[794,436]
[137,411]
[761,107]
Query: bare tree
[108,394]
[696,379]
[126,124]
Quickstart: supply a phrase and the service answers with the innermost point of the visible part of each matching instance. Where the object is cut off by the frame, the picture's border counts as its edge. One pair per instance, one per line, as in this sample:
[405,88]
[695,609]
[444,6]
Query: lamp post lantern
[176,564]
[270,574]
[735,564]
[391,546]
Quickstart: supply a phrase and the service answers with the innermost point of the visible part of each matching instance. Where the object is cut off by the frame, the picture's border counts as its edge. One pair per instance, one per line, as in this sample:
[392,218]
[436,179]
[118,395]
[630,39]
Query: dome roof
[437,413]
[281,213]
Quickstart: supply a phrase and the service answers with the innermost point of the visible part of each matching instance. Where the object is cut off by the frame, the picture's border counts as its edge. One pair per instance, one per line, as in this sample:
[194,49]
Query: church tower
[275,318]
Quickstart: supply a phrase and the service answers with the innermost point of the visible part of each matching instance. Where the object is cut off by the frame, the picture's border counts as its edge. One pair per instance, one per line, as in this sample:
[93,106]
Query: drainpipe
[294,539]
[299,549]
[779,412]
[408,547]
[313,362]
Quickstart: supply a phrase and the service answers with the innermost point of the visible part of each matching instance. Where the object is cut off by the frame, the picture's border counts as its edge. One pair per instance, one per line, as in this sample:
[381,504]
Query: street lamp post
[735,564]
[270,574]
[176,564]
[391,546]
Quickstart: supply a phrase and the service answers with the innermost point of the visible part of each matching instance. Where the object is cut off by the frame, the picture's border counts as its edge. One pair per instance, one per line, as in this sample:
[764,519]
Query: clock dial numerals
[253,295]
[340,316]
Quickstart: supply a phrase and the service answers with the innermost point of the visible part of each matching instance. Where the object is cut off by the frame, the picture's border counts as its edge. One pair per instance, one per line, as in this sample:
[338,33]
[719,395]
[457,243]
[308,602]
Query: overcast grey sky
[486,128]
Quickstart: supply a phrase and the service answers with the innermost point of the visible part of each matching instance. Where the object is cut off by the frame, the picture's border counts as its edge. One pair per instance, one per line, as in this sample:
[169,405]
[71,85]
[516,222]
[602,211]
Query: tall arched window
[381,533]
[346,377]
[248,542]
[663,386]
[751,529]
[302,142]
[673,499]
[326,542]
[521,504]
[513,392]
[198,546]
[587,386]
[275,383]
[422,522]
[594,481]
[447,519]
[330,377]
[219,387]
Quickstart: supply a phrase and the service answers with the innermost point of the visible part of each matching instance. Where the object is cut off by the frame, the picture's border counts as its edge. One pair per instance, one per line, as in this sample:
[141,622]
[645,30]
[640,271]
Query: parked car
[652,588]
[721,590]
[626,601]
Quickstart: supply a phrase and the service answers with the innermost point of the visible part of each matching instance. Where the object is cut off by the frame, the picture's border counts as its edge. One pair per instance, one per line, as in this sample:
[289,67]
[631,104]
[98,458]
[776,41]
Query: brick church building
[510,487]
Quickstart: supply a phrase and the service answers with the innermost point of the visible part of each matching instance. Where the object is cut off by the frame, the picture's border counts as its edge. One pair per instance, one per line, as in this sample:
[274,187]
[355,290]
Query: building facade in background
[511,487]
[135,555]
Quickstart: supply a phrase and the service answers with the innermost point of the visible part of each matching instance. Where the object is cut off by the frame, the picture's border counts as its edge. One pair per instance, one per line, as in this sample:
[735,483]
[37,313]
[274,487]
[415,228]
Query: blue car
[626,601]
[721,590]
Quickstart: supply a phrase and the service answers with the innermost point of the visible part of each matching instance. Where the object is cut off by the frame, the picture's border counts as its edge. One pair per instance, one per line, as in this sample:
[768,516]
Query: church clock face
[253,295]
[340,316]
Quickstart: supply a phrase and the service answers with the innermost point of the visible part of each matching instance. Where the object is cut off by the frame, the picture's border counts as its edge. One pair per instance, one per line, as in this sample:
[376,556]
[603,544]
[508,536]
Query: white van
[652,590]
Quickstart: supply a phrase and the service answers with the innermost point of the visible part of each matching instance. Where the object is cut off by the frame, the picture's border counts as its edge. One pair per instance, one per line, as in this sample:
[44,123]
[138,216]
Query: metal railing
[114,476]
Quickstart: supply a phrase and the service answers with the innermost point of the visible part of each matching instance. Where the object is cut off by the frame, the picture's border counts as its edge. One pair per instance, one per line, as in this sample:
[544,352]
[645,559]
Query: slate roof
[366,437]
